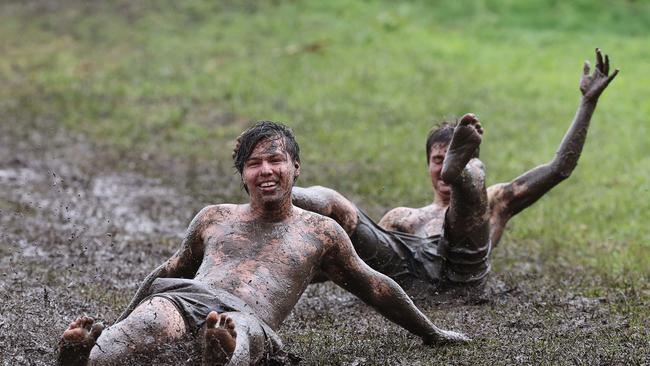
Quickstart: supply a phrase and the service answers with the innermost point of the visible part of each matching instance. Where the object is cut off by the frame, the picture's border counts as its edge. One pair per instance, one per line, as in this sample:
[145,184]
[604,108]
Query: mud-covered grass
[117,121]
[77,239]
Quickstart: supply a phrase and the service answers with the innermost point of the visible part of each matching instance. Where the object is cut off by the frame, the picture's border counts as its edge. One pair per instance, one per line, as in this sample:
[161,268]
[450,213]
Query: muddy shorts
[194,301]
[408,258]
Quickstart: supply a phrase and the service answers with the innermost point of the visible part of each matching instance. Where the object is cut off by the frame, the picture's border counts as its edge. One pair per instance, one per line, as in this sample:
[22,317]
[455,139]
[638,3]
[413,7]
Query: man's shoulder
[217,212]
[317,221]
[402,211]
[408,219]
[399,214]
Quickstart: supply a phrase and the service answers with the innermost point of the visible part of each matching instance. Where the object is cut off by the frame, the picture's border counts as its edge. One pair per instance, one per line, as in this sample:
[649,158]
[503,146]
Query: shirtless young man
[447,243]
[239,272]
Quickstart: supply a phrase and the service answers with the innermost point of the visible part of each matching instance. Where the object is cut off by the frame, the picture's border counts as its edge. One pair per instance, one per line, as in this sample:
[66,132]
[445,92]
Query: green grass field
[361,84]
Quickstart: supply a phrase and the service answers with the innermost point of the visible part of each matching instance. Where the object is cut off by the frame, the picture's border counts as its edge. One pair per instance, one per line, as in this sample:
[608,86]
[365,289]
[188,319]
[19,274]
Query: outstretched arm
[183,263]
[343,266]
[508,199]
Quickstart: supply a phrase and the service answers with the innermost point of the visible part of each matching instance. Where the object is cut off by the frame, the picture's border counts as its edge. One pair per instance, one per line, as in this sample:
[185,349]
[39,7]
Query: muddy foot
[78,340]
[466,139]
[220,339]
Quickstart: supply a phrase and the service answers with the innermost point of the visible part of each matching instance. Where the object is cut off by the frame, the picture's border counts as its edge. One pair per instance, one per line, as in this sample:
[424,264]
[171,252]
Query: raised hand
[593,85]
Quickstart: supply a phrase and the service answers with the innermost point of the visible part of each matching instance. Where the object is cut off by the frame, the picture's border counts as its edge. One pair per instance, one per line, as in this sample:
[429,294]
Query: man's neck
[274,212]
[438,200]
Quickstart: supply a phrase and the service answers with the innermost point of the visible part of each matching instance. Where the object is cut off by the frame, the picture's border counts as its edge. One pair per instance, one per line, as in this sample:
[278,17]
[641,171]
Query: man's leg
[233,338]
[467,219]
[155,322]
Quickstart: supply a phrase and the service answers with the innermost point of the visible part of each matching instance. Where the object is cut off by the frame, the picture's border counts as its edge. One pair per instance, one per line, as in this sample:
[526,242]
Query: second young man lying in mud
[239,272]
[447,244]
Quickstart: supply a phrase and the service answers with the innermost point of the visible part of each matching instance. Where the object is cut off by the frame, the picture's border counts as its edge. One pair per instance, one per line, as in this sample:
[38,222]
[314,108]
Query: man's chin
[444,194]
[271,200]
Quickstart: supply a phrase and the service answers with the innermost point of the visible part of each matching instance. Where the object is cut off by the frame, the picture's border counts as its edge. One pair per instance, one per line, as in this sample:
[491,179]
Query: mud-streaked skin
[266,253]
[504,200]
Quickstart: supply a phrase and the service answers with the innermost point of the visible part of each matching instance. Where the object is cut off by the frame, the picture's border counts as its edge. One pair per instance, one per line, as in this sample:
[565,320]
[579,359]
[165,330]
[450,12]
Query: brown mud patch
[80,226]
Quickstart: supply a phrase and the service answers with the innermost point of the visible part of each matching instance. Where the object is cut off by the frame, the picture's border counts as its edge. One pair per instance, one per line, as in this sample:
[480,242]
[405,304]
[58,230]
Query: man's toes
[212,320]
[468,119]
[223,320]
[96,330]
[74,324]
[87,322]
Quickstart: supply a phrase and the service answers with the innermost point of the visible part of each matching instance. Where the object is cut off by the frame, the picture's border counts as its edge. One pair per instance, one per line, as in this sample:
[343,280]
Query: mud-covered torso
[267,265]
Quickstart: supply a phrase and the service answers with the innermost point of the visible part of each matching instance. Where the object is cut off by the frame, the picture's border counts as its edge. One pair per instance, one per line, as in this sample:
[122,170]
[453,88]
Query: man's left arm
[344,267]
[508,199]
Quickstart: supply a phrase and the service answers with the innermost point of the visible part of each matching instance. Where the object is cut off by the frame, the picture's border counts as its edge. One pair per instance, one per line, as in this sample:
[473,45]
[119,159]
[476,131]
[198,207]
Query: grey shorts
[194,301]
[407,258]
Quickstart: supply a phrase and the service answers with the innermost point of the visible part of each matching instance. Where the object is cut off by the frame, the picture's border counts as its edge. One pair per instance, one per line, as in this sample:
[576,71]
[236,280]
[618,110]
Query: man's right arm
[183,263]
[344,267]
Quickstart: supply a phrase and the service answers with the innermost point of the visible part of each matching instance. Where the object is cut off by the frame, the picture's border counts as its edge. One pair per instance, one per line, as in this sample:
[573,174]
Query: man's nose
[266,168]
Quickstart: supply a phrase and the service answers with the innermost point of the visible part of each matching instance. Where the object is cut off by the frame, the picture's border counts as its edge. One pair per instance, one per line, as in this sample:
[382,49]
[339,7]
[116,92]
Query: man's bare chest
[261,243]
[430,222]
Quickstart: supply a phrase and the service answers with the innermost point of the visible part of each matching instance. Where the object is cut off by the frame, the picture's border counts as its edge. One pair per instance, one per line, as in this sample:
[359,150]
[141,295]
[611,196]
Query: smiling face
[436,157]
[269,173]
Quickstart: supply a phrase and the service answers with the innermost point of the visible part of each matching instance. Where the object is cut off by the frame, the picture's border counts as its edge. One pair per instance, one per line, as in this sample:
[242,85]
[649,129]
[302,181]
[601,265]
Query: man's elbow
[561,169]
[563,173]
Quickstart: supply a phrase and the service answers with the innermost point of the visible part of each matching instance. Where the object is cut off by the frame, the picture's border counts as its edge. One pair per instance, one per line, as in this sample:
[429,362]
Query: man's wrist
[589,100]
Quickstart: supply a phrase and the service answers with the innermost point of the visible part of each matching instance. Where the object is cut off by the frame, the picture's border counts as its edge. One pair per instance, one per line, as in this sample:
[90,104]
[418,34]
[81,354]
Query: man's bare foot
[220,339]
[466,139]
[78,340]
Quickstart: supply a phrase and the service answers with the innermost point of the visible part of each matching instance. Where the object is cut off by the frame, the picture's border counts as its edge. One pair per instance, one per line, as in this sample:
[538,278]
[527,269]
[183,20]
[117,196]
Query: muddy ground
[81,225]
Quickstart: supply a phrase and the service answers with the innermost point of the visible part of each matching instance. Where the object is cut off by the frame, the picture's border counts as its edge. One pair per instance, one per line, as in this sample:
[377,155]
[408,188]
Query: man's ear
[243,186]
[296,164]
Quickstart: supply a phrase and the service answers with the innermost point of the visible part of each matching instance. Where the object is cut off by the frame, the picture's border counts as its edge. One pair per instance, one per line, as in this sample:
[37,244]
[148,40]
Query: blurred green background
[361,83]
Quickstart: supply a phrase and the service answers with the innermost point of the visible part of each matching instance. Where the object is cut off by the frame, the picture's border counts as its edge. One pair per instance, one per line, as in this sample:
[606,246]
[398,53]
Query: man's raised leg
[467,219]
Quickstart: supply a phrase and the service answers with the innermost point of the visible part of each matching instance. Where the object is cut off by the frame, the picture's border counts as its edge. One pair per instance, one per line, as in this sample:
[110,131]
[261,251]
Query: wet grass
[91,259]
[164,88]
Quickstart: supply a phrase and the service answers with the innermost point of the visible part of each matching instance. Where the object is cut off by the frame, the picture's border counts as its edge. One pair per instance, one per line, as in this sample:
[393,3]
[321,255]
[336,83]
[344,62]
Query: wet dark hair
[440,134]
[263,130]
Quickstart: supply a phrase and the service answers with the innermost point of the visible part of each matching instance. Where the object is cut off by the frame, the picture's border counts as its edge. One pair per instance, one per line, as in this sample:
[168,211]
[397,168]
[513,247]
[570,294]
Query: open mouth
[267,185]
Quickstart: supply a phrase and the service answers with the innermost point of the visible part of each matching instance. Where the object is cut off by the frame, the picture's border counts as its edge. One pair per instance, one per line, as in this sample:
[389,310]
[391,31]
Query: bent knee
[157,315]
